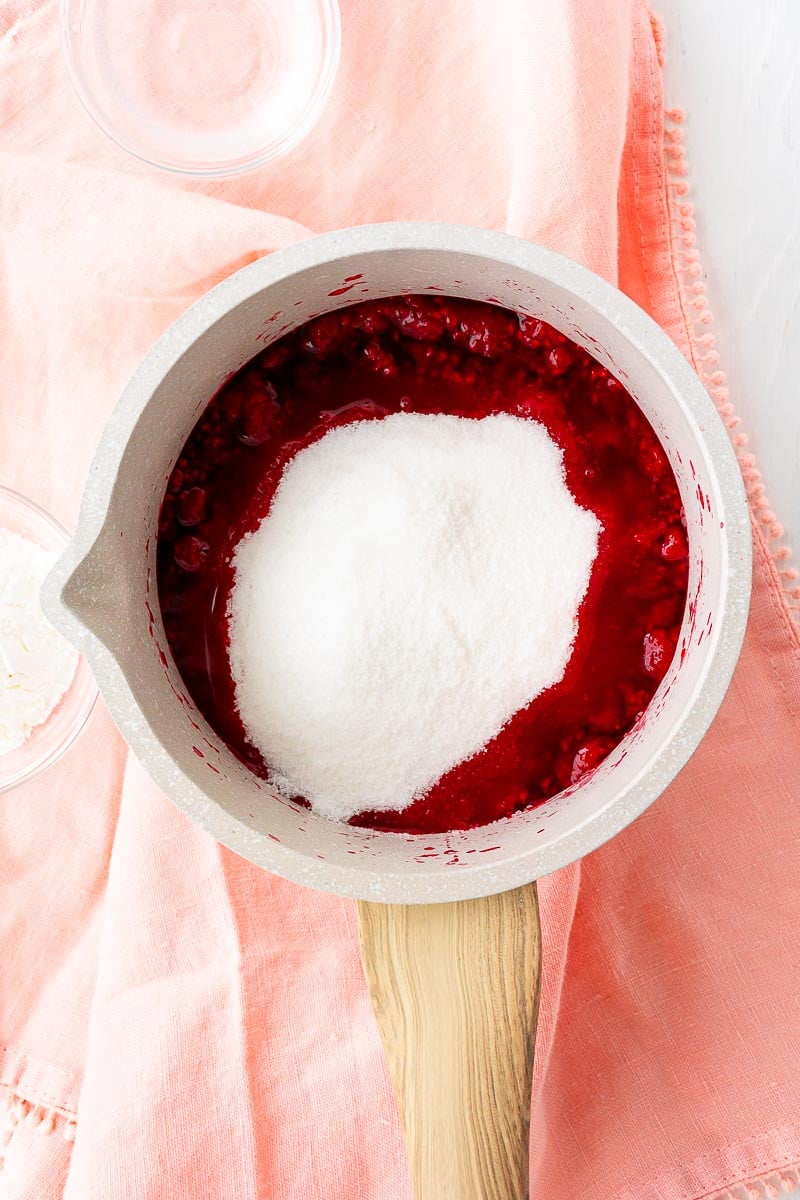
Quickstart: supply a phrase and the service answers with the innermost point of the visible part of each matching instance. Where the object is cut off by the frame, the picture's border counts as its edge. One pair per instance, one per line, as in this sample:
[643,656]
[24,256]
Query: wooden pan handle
[455,988]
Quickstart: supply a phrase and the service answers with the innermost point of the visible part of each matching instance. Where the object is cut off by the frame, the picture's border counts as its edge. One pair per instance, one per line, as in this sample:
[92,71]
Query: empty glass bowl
[48,741]
[205,87]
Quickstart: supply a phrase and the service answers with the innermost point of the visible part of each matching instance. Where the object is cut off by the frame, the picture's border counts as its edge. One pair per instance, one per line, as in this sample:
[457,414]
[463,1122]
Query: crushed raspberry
[369,321]
[657,649]
[537,403]
[489,334]
[675,547]
[654,460]
[257,425]
[190,553]
[439,354]
[416,321]
[560,359]
[380,360]
[589,756]
[323,334]
[191,507]
[530,330]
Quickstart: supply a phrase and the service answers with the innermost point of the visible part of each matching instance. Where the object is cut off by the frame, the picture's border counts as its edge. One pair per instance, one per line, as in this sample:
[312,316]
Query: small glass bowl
[48,741]
[203,87]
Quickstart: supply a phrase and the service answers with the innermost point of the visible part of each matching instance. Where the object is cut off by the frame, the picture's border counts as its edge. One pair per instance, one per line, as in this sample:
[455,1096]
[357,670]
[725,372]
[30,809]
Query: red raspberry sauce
[435,354]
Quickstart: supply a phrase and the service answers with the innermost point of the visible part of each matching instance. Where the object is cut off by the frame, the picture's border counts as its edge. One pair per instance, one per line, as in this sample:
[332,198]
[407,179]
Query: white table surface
[734,67]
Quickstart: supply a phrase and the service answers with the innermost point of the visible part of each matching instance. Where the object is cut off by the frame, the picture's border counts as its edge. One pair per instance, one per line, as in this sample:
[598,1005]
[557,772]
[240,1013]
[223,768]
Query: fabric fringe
[699,322]
[764,1187]
[17,1112]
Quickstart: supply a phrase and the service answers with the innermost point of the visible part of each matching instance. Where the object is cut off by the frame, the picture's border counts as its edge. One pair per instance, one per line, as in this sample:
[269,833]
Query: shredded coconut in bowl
[37,664]
[415,583]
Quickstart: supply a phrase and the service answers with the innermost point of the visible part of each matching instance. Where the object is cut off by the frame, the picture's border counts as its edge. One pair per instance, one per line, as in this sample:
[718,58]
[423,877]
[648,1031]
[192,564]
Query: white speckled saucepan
[102,593]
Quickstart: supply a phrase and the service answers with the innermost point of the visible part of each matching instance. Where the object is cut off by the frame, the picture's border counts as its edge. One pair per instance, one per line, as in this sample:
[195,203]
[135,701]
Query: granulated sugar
[36,663]
[416,582]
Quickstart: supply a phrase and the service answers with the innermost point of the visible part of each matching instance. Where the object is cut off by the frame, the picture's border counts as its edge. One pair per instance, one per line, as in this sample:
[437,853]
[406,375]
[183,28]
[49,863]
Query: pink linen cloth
[173,1021]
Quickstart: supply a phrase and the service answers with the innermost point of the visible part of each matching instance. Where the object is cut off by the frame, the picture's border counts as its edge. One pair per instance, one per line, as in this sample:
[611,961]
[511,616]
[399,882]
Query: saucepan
[449,922]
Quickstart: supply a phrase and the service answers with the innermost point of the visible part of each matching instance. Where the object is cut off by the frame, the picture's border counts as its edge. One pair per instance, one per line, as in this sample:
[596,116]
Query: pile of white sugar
[415,583]
[36,663]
